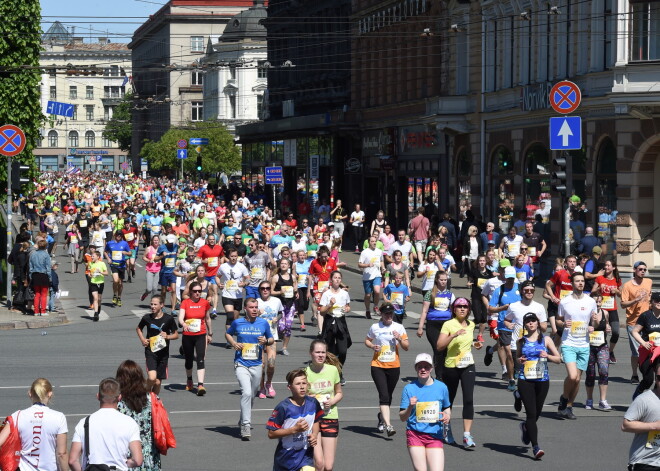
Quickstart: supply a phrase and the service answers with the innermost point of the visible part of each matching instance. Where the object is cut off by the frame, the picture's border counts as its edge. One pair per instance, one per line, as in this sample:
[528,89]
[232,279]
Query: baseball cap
[509,272]
[638,264]
[331,223]
[425,358]
[461,302]
[597,250]
[505,263]
[387,308]
[171,238]
[530,316]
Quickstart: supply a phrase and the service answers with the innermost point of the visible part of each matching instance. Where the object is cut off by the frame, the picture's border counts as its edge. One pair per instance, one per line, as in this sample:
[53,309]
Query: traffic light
[19,175]
[199,162]
[563,175]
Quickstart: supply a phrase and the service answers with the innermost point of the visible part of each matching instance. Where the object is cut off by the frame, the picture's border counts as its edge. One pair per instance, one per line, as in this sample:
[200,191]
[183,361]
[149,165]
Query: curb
[35,322]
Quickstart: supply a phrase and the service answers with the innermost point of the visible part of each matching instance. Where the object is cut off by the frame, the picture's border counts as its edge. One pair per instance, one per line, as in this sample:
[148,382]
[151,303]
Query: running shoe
[262,393]
[390,430]
[114,300]
[367,315]
[524,435]
[537,452]
[376,311]
[569,415]
[285,352]
[612,358]
[201,390]
[246,433]
[480,338]
[589,405]
[144,296]
[189,385]
[449,437]
[468,441]
[130,280]
[342,380]
[118,302]
[174,313]
[270,390]
[303,328]
[488,359]
[517,401]
[96,317]
[634,379]
[604,405]
[512,385]
[381,424]
[214,314]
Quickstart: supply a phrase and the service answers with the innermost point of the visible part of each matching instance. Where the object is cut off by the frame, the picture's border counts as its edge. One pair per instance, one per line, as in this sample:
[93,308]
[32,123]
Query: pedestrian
[252,334]
[106,437]
[194,316]
[598,356]
[339,216]
[419,231]
[357,222]
[161,329]
[384,339]
[371,263]
[42,431]
[635,297]
[324,376]
[152,267]
[40,269]
[425,408]
[334,305]
[116,252]
[136,403]
[54,289]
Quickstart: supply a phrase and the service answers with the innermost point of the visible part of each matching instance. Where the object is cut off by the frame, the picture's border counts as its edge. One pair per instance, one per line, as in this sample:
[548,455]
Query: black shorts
[237,303]
[157,361]
[553,309]
[329,428]
[121,271]
[98,287]
[505,337]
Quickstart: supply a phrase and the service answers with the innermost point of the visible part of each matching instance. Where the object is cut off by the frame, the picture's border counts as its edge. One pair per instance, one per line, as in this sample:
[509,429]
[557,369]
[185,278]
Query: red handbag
[160,424]
[10,452]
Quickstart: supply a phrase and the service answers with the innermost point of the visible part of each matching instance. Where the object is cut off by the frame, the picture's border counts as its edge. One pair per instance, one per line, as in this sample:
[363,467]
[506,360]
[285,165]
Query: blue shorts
[369,284]
[167,279]
[252,292]
[211,279]
[577,355]
[134,252]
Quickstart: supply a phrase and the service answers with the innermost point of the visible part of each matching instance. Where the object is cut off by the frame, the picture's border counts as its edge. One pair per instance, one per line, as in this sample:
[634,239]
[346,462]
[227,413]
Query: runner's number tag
[250,351]
[427,412]
[157,343]
[194,325]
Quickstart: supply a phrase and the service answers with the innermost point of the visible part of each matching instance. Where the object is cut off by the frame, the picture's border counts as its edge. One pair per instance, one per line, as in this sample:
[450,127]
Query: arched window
[52,138]
[537,174]
[605,187]
[464,180]
[90,139]
[73,139]
[502,179]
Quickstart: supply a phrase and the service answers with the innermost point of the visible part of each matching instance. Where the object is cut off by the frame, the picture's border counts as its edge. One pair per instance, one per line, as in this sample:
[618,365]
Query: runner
[152,268]
[116,252]
[73,247]
[384,339]
[647,334]
[285,286]
[166,254]
[598,355]
[635,297]
[194,316]
[270,309]
[233,276]
[97,272]
[131,236]
[394,266]
[398,295]
[335,303]
[212,257]
[371,263]
[302,301]
[556,289]
[609,285]
[477,276]
[258,263]
[427,270]
[320,270]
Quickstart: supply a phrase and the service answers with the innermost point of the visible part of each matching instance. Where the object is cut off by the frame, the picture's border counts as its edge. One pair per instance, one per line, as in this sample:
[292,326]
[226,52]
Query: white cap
[171,239]
[424,357]
[509,272]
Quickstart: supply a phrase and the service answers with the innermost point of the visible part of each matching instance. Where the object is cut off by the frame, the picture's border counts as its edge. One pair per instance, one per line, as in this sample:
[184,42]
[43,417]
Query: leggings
[285,322]
[40,298]
[601,356]
[432,333]
[614,323]
[385,380]
[194,345]
[152,282]
[466,376]
[358,231]
[533,394]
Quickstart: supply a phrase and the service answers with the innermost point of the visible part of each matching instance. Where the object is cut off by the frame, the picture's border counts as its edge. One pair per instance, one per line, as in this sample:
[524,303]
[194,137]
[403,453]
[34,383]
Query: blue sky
[102,16]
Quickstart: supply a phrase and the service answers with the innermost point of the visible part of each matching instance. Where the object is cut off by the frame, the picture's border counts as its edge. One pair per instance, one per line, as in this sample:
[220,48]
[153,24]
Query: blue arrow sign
[182,154]
[199,141]
[566,133]
[274,176]
[61,109]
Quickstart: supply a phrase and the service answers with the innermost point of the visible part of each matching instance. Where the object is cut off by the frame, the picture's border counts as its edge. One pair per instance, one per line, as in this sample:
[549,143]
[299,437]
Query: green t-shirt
[322,385]
[97,267]
[459,350]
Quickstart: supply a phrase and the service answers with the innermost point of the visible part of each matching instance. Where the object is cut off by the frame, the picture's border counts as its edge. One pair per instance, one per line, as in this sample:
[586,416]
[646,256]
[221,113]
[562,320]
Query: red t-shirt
[292,223]
[133,238]
[606,288]
[562,281]
[195,310]
[212,257]
[320,272]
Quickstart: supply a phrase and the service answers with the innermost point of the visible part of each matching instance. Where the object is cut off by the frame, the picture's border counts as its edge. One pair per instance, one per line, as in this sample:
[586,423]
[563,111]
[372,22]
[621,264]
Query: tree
[220,155]
[119,128]
[20,44]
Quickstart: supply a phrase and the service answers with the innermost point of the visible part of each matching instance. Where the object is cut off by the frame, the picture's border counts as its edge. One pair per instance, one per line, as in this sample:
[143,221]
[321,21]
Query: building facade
[92,77]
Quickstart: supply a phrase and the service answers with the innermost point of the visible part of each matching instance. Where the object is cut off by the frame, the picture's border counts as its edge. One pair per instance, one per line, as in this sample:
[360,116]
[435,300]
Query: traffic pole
[9,232]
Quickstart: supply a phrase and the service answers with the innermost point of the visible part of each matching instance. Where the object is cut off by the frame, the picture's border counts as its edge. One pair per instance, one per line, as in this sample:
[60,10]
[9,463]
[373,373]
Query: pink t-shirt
[420,227]
[152,267]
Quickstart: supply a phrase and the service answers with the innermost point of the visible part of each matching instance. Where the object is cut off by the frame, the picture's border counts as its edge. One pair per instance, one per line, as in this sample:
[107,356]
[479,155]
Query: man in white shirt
[404,246]
[371,262]
[112,435]
[514,315]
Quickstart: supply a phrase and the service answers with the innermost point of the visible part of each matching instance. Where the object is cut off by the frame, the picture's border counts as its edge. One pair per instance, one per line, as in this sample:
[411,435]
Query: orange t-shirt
[632,290]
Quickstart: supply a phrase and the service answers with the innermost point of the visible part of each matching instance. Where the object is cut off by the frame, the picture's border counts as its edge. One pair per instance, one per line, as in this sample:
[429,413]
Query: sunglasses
[642,269]
[528,290]
[265,289]
[196,290]
[423,367]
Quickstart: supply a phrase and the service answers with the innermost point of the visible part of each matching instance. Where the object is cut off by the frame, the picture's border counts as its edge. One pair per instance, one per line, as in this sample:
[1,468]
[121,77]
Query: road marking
[136,263]
[140,313]
[103,316]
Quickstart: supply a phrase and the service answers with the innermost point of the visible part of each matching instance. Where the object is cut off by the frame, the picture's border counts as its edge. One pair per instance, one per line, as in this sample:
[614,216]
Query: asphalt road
[77,356]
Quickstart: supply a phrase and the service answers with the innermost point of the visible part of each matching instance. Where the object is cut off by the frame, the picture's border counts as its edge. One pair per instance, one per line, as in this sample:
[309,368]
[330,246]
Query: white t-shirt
[579,312]
[110,433]
[512,246]
[269,310]
[38,450]
[515,314]
[341,299]
[296,246]
[384,334]
[230,276]
[374,257]
[405,249]
[358,218]
[430,269]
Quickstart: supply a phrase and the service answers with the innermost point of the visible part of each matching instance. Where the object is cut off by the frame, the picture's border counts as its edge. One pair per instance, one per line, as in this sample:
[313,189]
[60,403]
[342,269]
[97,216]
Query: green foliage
[221,155]
[119,128]
[20,45]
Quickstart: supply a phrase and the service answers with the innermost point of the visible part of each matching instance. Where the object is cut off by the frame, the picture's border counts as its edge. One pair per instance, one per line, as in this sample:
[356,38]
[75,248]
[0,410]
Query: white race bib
[74,239]
[287,291]
[117,256]
[578,329]
[231,285]
[155,230]
[82,223]
[427,412]
[157,343]
[302,279]
[654,338]
[441,304]
[129,236]
[386,354]
[597,339]
[250,351]
[257,273]
[514,250]
[522,276]
[396,298]
[170,262]
[653,439]
[322,285]
[531,251]
[564,292]
[337,311]
[608,303]
[481,282]
[194,325]
[465,359]
[534,369]
[212,261]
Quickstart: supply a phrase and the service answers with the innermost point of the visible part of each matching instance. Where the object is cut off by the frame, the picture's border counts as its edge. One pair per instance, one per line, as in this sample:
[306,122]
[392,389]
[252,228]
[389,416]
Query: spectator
[40,269]
[419,233]
[589,241]
[490,236]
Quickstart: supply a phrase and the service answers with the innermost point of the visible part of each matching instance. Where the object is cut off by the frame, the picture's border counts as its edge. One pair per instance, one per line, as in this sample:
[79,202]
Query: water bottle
[44,333]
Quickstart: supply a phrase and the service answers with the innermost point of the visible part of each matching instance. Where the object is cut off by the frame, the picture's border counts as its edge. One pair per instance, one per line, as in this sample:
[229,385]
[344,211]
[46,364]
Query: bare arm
[74,456]
[62,456]
[637,426]
[135,461]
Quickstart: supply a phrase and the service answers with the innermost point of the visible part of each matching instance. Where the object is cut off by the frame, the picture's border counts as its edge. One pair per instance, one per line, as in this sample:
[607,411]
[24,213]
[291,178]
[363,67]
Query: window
[89,112]
[107,142]
[113,92]
[196,78]
[197,43]
[90,139]
[73,92]
[53,92]
[536,177]
[108,112]
[232,72]
[502,197]
[89,92]
[112,71]
[73,139]
[75,113]
[260,106]
[197,111]
[52,72]
[262,72]
[52,138]
[606,199]
[232,106]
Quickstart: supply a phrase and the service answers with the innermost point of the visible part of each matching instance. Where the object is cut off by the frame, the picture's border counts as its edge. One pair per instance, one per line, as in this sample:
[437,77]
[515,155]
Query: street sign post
[565,97]
[566,133]
[61,109]
[182,154]
[182,144]
[274,177]
[199,141]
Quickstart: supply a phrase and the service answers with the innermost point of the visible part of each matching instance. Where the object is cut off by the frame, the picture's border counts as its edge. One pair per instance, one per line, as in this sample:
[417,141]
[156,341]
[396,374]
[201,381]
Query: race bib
[231,285]
[653,439]
[608,302]
[427,412]
[531,251]
[597,339]
[117,256]
[250,351]
[430,273]
[337,311]
[257,273]
[522,276]
[155,230]
[30,205]
[287,291]
[74,239]
[396,298]
[404,258]
[169,262]
[481,282]
[129,236]
[194,325]
[441,304]
[654,338]
[157,343]
[578,329]
[465,359]
[513,249]
[82,223]
[564,292]
[302,279]
[322,398]
[375,261]
[386,354]
[534,369]
[212,261]
[322,285]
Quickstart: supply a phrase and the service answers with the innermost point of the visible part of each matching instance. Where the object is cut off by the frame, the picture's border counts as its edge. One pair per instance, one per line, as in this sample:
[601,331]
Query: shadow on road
[367,431]
[229,430]
[508,449]
[498,414]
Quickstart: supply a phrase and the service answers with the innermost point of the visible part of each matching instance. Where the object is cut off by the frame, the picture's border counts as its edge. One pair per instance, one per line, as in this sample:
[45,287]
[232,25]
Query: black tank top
[287,302]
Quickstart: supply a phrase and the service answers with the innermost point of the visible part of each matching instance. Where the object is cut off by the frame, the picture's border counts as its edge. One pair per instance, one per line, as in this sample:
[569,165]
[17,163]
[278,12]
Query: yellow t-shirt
[459,351]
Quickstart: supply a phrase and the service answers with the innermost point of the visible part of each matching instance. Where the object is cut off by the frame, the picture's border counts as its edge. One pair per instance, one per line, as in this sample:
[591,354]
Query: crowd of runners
[218,261]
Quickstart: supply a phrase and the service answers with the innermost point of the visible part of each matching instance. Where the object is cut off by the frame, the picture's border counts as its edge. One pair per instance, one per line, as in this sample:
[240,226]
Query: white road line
[139,313]
[137,264]
[103,316]
[410,314]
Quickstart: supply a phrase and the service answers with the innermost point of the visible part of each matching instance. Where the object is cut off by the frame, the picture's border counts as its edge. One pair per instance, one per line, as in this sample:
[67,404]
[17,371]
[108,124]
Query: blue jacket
[484,240]
[40,262]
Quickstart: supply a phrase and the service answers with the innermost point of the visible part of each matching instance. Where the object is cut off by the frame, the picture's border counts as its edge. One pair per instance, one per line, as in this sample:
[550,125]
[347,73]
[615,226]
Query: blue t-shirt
[229,231]
[293,451]
[278,240]
[247,332]
[508,297]
[439,310]
[114,250]
[531,351]
[168,263]
[526,273]
[436,394]
[398,301]
[303,269]
[156,224]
